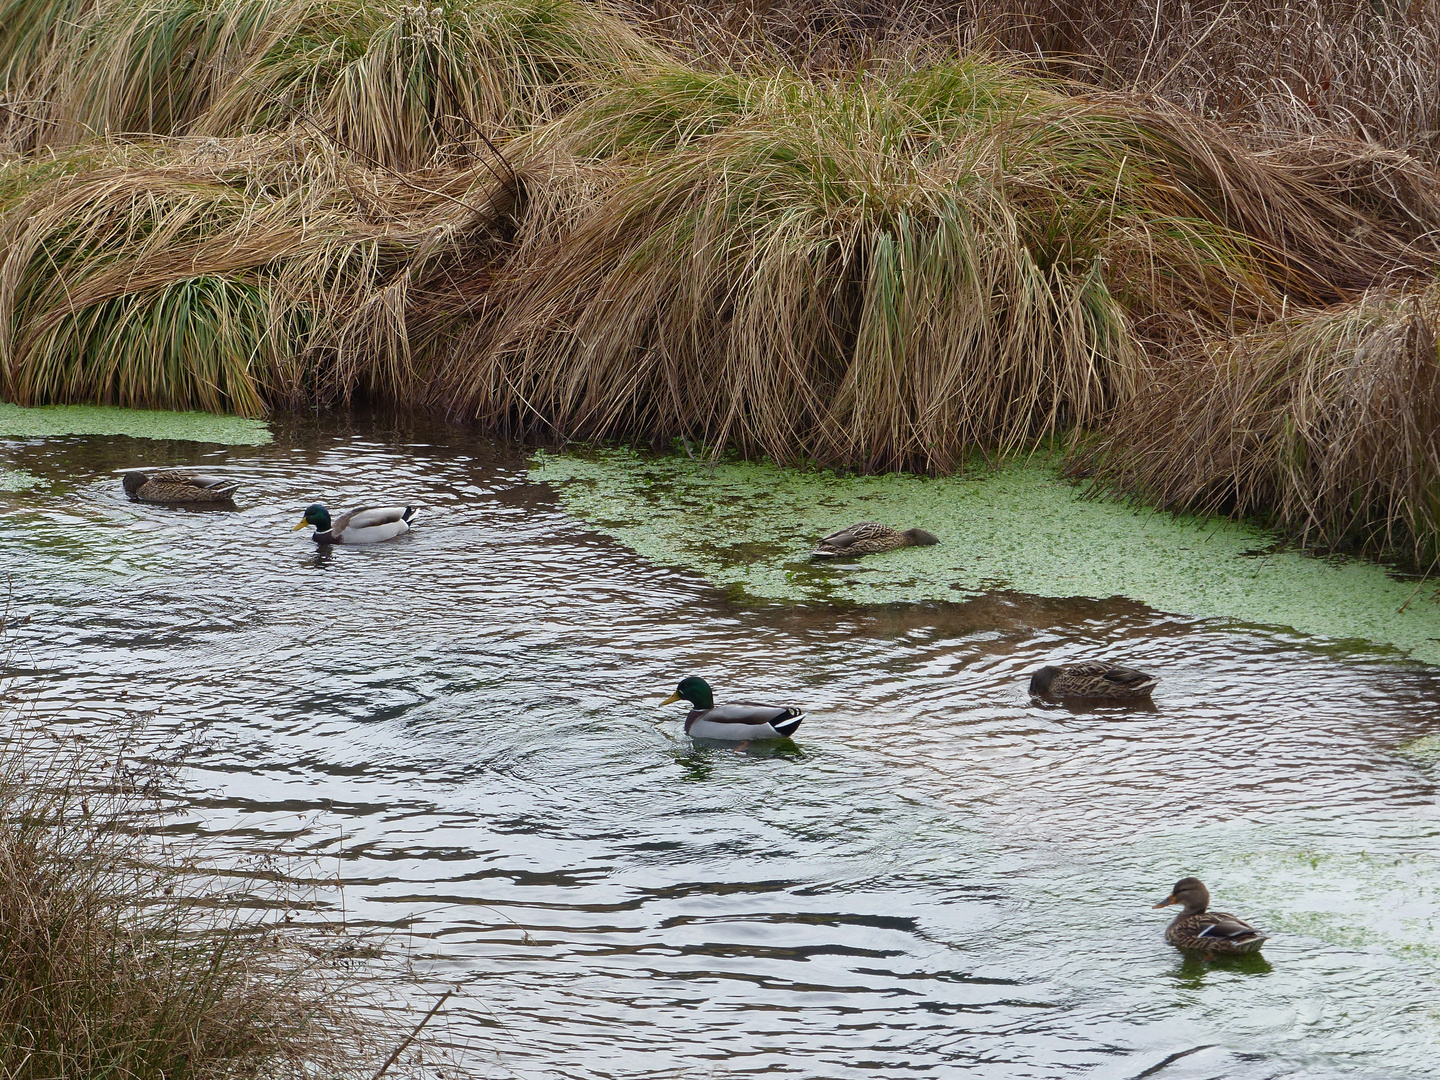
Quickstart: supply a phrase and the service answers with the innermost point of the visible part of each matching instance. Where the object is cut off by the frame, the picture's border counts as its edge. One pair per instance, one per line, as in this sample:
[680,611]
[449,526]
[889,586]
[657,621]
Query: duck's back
[1215,931]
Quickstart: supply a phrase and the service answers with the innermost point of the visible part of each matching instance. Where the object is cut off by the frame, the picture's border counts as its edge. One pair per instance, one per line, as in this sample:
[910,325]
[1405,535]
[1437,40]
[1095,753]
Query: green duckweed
[51,420]
[749,528]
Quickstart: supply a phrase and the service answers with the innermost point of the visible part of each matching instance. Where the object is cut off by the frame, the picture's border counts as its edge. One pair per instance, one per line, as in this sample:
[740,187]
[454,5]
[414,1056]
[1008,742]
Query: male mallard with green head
[869,538]
[1211,931]
[1092,679]
[742,722]
[367,525]
[178,486]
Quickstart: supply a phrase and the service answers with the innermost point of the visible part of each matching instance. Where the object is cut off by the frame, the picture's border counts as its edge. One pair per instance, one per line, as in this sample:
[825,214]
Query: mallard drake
[741,722]
[868,538]
[367,525]
[1092,679]
[178,486]
[1212,931]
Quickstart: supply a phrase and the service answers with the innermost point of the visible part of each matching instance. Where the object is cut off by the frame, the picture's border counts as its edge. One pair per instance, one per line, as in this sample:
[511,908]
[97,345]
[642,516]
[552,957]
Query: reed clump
[1353,68]
[883,271]
[1325,423]
[116,959]
[399,85]
[221,275]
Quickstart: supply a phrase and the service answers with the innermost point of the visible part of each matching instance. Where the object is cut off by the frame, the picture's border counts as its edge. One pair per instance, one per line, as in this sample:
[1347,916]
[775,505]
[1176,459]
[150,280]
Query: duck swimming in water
[1092,679]
[367,525]
[178,486]
[1211,931]
[741,722]
[869,538]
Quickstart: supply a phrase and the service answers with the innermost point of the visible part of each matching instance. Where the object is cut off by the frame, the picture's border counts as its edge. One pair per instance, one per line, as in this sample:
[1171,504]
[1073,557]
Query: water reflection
[938,877]
[1194,967]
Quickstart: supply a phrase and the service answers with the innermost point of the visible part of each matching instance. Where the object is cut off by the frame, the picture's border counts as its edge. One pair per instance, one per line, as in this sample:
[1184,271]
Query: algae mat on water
[51,420]
[751,526]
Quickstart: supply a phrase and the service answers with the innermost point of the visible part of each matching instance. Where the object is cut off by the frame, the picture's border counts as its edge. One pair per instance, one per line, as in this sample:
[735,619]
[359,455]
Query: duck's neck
[705,700]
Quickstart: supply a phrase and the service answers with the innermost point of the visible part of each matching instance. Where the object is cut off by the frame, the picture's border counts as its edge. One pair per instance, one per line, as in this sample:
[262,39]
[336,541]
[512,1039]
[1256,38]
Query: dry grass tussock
[120,961]
[1324,422]
[223,275]
[400,86]
[1355,68]
[884,271]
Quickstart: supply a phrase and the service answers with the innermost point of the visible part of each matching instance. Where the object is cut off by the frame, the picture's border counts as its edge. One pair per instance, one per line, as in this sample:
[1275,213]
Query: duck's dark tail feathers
[409,513]
[787,724]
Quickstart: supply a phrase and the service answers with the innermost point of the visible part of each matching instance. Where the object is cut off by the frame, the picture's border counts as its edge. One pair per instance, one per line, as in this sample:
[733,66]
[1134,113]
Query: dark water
[937,879]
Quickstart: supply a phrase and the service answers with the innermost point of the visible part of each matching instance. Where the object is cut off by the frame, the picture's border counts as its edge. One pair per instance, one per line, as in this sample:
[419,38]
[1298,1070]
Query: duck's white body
[743,722]
[368,525]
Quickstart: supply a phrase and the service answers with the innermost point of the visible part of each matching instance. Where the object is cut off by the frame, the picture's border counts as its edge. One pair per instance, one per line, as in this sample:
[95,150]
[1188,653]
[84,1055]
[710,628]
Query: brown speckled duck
[1092,679]
[868,538]
[1210,931]
[177,486]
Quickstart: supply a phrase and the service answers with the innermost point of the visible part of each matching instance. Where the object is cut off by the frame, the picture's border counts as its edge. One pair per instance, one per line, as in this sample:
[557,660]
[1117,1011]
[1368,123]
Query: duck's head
[134,481]
[1191,892]
[316,515]
[1041,680]
[694,690]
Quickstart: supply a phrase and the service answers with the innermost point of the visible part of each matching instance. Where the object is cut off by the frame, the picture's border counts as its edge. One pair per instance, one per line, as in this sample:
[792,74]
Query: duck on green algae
[870,538]
[750,528]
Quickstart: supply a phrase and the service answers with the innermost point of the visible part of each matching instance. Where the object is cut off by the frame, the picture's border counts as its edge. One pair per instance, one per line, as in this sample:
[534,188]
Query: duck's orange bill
[1168,901]
[672,697]
[302,524]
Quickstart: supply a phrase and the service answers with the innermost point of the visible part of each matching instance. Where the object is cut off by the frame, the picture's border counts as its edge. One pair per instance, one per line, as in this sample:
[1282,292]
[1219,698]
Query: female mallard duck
[868,538]
[1213,931]
[744,721]
[367,525]
[1092,679]
[177,486]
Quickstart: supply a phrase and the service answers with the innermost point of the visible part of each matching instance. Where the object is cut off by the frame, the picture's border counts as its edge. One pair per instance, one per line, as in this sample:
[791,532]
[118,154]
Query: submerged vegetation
[573,220]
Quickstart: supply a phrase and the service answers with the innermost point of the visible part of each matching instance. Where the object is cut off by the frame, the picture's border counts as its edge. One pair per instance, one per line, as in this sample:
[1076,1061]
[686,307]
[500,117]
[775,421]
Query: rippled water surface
[938,878]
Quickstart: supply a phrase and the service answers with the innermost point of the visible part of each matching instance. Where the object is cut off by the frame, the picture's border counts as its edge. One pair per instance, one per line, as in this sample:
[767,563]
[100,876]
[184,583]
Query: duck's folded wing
[1111,673]
[215,482]
[180,476]
[1217,924]
[861,530]
[367,517]
[748,712]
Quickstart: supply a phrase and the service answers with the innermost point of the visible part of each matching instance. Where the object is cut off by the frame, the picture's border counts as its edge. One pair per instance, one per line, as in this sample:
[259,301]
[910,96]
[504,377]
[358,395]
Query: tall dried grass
[222,275]
[884,271]
[400,86]
[1354,68]
[116,961]
[1325,422]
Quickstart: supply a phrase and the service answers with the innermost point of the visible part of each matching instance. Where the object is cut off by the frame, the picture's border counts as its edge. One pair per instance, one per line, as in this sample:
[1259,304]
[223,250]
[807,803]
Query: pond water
[938,878]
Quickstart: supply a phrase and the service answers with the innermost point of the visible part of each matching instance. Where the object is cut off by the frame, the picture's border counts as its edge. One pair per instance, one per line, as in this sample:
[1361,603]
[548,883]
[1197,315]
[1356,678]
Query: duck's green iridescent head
[316,515]
[694,690]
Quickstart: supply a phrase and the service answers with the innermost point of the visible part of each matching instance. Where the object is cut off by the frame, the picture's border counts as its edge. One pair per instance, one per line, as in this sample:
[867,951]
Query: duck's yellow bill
[1167,901]
[302,524]
[672,697]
